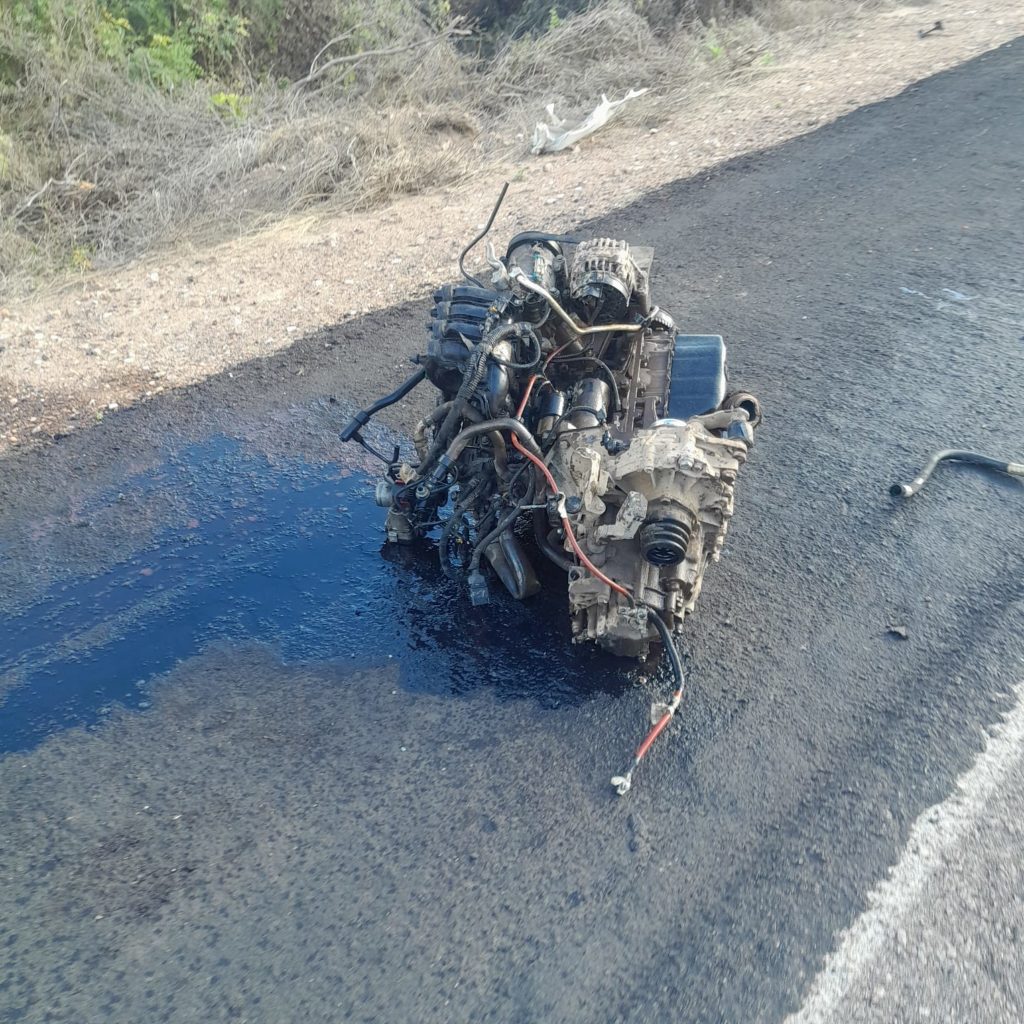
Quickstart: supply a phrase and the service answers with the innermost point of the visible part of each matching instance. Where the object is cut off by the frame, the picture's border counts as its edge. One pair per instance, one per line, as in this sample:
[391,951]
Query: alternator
[604,275]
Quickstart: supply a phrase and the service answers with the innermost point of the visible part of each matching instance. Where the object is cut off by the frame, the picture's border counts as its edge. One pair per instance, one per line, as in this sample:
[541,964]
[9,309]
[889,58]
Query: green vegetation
[164,42]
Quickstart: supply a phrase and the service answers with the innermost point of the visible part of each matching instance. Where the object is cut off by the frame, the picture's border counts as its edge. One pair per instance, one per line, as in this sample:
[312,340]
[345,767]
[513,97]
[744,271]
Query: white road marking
[936,831]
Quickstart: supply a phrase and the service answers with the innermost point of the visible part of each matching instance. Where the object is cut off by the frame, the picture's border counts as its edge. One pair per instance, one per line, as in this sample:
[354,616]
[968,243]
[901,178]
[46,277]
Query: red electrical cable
[622,783]
[653,735]
[567,526]
[526,395]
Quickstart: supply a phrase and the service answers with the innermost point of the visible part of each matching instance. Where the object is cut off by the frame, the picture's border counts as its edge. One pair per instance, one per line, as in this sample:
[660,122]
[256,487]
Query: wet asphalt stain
[279,552]
[430,836]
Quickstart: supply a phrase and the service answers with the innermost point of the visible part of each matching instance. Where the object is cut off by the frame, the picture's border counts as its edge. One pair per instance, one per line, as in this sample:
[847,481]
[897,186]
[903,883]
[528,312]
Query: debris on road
[955,455]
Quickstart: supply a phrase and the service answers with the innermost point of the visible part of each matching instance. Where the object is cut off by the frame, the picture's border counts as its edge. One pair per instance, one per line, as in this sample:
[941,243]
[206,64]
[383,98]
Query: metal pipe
[519,275]
[1015,469]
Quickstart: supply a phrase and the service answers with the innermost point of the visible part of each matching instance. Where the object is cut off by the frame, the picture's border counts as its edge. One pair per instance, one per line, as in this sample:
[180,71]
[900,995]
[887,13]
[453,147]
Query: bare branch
[355,59]
[333,42]
[25,206]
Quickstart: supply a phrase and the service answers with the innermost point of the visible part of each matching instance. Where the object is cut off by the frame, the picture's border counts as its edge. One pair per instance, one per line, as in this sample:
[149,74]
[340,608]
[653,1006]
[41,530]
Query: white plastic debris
[550,138]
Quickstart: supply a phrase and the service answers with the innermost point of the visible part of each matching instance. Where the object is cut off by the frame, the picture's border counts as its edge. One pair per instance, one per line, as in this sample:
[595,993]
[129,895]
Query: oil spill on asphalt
[286,553]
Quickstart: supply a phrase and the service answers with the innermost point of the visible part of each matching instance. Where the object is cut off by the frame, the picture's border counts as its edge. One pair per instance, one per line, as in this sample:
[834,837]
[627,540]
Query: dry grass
[113,170]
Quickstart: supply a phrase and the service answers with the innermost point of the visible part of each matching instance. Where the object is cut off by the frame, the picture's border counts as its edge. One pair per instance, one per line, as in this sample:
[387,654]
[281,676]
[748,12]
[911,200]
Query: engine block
[573,423]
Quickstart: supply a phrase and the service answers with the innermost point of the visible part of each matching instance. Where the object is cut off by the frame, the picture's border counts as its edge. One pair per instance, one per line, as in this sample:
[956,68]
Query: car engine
[574,424]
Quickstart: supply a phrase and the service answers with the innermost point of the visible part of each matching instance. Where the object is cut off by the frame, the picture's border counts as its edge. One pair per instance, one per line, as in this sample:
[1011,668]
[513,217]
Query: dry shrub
[105,169]
[123,168]
[603,50]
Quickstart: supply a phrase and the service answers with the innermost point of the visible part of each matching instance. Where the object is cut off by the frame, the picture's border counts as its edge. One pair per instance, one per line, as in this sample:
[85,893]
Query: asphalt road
[255,772]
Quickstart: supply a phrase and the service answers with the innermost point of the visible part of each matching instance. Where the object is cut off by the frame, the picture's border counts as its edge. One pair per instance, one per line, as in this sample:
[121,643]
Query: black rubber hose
[1015,469]
[361,418]
[548,550]
[462,439]
[456,448]
[487,227]
[470,382]
[670,648]
[528,333]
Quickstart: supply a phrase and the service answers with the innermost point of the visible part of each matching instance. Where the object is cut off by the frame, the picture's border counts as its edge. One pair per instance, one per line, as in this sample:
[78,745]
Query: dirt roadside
[110,340]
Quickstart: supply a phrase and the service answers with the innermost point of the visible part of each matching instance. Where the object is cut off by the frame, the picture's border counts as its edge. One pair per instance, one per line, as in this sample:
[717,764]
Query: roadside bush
[127,125]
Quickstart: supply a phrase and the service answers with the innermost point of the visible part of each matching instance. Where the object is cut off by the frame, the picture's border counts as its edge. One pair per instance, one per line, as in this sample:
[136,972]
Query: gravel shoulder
[111,340]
